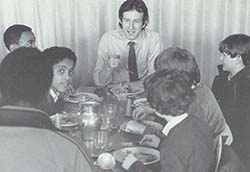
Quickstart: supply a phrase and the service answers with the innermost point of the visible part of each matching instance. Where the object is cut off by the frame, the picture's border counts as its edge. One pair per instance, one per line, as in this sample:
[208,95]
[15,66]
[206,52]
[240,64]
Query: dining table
[117,138]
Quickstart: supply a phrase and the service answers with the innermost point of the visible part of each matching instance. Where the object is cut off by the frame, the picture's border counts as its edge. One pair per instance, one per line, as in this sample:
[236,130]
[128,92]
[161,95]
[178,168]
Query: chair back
[227,159]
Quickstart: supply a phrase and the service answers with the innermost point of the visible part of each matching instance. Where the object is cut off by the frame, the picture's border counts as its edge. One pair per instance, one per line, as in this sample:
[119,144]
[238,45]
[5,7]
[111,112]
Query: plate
[141,102]
[68,122]
[65,120]
[153,124]
[81,97]
[132,90]
[145,154]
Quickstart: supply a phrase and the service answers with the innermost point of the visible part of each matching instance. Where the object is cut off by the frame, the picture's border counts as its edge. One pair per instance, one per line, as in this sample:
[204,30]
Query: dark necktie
[132,65]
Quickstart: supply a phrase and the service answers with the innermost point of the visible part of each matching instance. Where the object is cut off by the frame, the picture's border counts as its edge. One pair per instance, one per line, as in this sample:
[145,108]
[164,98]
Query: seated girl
[63,61]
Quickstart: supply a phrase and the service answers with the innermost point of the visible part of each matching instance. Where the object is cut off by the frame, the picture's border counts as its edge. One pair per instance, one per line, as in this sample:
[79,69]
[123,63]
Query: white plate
[65,121]
[141,102]
[81,96]
[133,90]
[153,124]
[145,154]
[69,123]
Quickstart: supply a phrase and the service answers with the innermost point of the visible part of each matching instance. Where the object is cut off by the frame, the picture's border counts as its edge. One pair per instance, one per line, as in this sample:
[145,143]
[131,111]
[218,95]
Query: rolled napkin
[133,127]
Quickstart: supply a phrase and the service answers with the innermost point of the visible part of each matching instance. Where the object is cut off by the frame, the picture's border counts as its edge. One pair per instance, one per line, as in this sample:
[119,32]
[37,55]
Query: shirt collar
[175,121]
[137,40]
[131,41]
[25,117]
[242,73]
[54,95]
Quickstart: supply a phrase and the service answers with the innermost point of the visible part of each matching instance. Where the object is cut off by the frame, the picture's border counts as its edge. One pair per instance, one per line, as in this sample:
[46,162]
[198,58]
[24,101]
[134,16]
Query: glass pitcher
[90,120]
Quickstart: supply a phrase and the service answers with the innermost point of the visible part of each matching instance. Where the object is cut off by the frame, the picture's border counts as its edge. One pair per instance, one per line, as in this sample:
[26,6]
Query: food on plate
[68,119]
[145,157]
[141,102]
[127,90]
[145,154]
[81,97]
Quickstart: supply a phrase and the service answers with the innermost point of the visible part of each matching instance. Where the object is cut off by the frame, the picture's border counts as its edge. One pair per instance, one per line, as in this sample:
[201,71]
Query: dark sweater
[233,97]
[187,148]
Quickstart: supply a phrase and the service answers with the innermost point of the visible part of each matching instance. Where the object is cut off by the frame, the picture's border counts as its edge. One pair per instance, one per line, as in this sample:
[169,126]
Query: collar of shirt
[131,41]
[175,121]
[54,95]
[137,40]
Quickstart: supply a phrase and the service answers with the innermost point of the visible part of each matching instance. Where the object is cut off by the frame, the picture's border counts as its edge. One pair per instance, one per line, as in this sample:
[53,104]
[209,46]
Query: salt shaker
[129,108]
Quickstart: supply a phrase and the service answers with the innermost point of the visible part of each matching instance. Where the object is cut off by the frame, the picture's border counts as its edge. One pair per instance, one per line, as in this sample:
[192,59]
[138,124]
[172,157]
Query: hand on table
[129,160]
[133,127]
[150,140]
[142,112]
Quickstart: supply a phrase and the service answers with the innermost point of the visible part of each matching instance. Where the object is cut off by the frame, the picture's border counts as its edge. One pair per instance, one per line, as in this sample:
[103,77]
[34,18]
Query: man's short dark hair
[169,92]
[137,5]
[55,55]
[25,77]
[236,44]
[13,34]
[175,58]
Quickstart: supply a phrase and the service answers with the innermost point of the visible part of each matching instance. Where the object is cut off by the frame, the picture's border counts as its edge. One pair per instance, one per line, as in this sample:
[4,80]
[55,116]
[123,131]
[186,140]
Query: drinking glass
[110,111]
[100,141]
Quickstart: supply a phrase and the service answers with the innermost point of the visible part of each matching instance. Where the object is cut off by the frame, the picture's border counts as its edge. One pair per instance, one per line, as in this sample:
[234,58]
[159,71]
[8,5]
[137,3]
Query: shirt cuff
[129,161]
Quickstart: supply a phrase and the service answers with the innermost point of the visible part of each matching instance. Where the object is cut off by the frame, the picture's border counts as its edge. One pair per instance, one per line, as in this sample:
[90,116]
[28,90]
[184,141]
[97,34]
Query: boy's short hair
[13,34]
[137,5]
[175,58]
[169,92]
[56,54]
[25,76]
[236,44]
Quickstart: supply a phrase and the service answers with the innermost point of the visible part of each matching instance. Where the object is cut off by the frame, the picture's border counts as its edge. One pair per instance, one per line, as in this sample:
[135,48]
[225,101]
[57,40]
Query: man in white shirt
[113,63]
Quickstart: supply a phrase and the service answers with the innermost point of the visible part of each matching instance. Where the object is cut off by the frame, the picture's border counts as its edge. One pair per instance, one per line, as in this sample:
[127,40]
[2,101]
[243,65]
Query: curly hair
[25,76]
[169,91]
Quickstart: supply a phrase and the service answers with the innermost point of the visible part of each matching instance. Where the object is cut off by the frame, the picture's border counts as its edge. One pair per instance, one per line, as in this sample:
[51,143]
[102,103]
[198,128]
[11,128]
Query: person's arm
[83,163]
[170,161]
[155,49]
[216,119]
[246,129]
[132,164]
[102,72]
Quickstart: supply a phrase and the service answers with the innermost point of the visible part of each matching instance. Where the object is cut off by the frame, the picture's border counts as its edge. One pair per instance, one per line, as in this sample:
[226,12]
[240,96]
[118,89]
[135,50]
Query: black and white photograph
[124,85]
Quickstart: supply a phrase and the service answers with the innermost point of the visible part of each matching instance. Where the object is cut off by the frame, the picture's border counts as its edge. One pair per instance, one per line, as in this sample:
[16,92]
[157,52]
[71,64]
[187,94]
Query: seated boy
[187,145]
[232,92]
[29,141]
[204,105]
